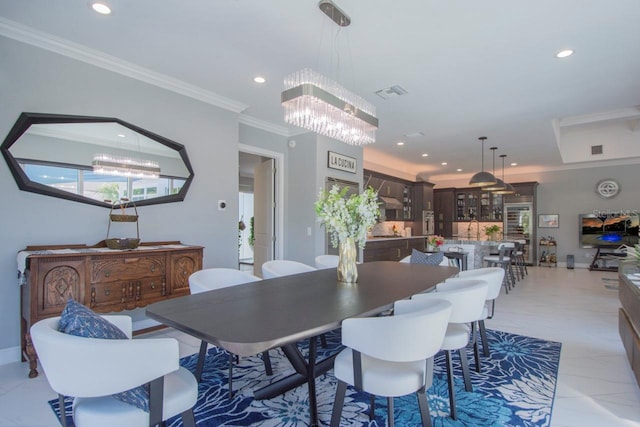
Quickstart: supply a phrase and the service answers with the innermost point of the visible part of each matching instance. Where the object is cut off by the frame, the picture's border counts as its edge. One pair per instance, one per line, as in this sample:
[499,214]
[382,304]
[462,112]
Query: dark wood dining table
[251,318]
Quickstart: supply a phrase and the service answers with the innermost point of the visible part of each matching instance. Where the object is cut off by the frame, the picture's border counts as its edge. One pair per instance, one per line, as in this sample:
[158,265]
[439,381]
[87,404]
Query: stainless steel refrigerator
[518,225]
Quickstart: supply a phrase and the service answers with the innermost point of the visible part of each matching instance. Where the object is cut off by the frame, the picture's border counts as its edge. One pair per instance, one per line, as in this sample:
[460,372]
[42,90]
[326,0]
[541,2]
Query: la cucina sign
[341,162]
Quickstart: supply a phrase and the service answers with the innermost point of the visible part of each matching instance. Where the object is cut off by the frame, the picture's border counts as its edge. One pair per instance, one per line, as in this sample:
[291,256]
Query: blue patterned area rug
[515,388]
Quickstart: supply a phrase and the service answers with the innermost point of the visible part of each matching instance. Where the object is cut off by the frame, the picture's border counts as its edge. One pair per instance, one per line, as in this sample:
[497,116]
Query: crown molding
[42,40]
[264,125]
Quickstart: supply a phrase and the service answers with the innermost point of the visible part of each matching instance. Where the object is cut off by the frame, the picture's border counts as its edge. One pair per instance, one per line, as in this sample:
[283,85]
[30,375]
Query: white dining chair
[391,356]
[283,267]
[217,278]
[494,276]
[92,370]
[327,261]
[467,298]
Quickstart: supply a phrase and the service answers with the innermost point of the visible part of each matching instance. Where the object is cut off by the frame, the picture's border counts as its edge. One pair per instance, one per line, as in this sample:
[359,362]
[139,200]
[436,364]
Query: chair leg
[390,411]
[452,393]
[267,363]
[63,414]
[188,419]
[338,403]
[323,341]
[231,376]
[483,337]
[464,364]
[372,407]
[423,404]
[474,339]
[201,356]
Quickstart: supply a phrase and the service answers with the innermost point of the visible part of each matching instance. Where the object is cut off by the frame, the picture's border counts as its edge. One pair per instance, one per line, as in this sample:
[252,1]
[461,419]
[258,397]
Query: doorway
[260,208]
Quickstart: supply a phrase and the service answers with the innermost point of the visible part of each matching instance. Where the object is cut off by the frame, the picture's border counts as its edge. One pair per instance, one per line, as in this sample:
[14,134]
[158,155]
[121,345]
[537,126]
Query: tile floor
[595,383]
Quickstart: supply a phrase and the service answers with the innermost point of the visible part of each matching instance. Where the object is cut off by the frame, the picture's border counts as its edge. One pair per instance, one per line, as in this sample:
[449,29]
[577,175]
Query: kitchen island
[394,248]
[476,250]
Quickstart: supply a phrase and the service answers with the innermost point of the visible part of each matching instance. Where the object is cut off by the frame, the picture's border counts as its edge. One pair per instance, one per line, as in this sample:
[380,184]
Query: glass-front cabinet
[478,205]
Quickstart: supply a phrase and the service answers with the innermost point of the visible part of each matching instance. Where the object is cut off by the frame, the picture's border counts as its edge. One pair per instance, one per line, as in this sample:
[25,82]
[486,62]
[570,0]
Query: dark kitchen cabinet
[391,249]
[443,206]
[397,188]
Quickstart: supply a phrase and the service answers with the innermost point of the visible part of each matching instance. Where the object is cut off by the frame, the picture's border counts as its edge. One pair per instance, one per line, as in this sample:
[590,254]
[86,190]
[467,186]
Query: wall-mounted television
[609,230]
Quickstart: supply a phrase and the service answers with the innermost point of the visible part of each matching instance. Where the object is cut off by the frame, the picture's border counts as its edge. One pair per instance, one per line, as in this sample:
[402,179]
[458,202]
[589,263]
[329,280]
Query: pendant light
[482,179]
[499,185]
[508,187]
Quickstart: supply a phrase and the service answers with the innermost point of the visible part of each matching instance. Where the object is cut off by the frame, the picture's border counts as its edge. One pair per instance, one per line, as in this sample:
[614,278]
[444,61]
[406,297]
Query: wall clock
[607,188]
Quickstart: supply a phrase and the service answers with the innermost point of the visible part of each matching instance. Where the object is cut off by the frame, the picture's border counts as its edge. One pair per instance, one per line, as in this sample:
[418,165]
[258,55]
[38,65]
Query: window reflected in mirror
[95,160]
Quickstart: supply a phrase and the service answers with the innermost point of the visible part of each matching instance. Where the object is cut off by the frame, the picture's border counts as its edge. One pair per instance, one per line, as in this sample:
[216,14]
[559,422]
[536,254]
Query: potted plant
[492,231]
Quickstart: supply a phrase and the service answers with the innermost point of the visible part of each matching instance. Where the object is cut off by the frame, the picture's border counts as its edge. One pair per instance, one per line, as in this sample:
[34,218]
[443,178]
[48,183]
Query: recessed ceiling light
[400,143]
[259,79]
[564,53]
[121,135]
[514,164]
[101,8]
[444,163]
[425,155]
[458,170]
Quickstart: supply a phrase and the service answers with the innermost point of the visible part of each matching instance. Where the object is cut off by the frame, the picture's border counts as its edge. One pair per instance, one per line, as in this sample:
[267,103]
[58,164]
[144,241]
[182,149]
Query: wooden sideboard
[103,279]
[629,322]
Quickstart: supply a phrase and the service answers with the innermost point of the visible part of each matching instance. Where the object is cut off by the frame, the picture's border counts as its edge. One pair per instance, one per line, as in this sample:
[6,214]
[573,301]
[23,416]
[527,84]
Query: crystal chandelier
[106,164]
[320,104]
[315,102]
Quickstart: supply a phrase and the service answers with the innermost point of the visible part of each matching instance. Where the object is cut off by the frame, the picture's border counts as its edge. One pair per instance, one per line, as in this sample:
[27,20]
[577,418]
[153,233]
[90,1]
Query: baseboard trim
[9,355]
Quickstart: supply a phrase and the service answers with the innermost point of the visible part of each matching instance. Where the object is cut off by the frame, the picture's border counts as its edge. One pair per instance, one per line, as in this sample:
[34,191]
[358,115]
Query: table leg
[305,373]
[311,380]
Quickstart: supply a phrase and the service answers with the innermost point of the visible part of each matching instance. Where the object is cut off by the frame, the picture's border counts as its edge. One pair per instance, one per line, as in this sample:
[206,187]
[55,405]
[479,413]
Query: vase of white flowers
[347,220]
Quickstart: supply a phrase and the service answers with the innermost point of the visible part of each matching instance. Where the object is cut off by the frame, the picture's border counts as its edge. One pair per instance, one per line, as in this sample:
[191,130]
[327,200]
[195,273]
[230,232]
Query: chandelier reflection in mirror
[320,104]
[106,164]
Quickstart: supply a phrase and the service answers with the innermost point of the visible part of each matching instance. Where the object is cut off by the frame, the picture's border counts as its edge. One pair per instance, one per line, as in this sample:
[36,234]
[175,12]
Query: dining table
[250,318]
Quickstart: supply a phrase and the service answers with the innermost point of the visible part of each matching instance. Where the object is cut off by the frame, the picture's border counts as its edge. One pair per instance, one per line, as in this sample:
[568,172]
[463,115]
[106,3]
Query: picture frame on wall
[548,221]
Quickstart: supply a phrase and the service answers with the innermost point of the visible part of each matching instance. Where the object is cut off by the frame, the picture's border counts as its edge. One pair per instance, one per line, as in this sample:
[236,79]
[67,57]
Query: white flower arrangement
[347,218]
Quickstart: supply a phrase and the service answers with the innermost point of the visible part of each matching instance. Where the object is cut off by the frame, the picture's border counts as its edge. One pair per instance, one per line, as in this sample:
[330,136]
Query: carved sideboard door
[103,279]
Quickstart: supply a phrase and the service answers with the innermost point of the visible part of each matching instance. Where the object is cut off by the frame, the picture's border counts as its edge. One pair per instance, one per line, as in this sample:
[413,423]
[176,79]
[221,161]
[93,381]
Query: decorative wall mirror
[95,159]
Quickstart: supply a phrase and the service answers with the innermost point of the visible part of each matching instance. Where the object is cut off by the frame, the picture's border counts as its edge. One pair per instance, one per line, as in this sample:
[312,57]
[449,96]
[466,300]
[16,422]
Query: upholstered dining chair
[391,356]
[494,276]
[283,267]
[217,278]
[92,370]
[467,298]
[327,261]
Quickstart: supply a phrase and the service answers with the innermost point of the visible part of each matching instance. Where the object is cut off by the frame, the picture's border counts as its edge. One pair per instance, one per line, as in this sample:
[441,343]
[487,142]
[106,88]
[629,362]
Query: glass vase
[347,268]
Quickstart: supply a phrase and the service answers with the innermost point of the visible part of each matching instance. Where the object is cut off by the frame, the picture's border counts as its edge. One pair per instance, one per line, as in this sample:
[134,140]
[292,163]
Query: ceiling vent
[596,149]
[391,92]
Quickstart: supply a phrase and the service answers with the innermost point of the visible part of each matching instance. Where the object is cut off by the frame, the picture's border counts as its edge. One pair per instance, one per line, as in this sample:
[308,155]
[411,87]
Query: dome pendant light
[482,179]
[508,187]
[499,185]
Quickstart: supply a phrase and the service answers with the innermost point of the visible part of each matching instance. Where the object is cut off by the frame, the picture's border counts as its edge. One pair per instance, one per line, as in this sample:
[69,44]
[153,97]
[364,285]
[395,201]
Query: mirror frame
[25,184]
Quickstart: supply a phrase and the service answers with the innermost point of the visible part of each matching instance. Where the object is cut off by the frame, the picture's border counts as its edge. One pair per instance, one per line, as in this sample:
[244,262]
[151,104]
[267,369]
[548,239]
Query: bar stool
[503,259]
[518,255]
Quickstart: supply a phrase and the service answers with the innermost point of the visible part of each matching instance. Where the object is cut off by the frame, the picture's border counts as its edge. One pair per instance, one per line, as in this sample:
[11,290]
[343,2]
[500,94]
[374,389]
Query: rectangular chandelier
[319,104]
[106,164]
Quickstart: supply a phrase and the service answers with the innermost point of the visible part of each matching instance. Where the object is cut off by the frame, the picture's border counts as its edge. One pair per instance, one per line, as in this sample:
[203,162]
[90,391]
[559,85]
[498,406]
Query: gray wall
[40,81]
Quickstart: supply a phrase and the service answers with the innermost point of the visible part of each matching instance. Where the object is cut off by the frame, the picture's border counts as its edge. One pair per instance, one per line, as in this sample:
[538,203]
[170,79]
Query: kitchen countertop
[383,238]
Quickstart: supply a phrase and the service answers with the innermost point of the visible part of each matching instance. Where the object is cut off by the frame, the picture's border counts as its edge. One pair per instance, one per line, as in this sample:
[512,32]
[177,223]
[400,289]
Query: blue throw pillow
[418,257]
[78,320]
